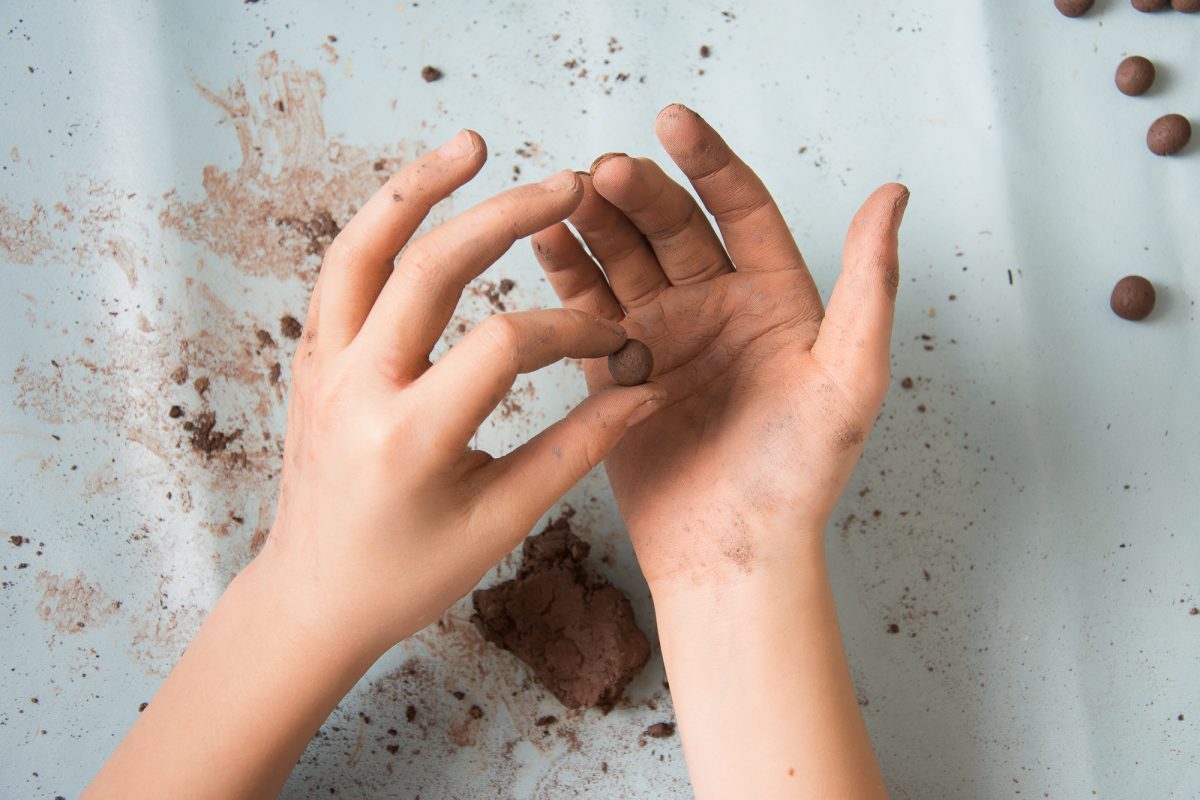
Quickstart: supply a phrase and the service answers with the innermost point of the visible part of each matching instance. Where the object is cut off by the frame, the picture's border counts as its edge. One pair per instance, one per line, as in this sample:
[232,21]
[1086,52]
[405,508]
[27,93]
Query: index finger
[420,296]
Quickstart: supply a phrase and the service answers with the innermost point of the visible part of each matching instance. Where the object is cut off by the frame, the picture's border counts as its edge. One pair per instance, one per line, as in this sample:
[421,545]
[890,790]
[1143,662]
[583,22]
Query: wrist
[725,565]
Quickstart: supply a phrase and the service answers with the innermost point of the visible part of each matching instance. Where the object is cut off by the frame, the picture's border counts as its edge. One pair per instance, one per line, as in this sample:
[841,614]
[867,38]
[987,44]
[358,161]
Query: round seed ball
[632,364]
[1186,6]
[1135,75]
[1168,135]
[1151,5]
[1074,8]
[1132,298]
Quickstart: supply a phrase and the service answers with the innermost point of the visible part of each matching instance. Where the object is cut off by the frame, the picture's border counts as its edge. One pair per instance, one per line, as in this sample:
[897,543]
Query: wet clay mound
[576,633]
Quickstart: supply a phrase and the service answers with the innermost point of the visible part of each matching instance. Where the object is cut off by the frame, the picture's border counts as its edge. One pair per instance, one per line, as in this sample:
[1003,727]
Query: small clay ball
[1168,135]
[1135,75]
[1186,6]
[1074,8]
[1150,5]
[632,364]
[1132,298]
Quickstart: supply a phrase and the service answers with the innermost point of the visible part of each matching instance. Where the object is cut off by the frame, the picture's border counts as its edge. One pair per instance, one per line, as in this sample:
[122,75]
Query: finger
[420,296]
[573,274]
[539,472]
[467,384]
[359,261]
[686,245]
[854,342]
[754,230]
[629,262]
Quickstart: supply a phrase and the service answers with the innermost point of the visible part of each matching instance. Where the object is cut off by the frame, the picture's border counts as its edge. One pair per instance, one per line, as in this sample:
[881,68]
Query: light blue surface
[1037,542]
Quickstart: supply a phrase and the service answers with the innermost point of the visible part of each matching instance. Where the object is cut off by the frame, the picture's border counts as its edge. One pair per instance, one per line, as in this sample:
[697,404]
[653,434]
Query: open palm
[769,397]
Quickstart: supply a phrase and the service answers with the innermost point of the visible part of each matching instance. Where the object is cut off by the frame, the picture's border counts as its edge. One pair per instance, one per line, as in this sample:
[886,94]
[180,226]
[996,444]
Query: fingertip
[605,157]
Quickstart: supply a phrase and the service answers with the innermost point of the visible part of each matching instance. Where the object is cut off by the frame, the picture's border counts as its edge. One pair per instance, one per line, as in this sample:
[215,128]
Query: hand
[385,515]
[770,397]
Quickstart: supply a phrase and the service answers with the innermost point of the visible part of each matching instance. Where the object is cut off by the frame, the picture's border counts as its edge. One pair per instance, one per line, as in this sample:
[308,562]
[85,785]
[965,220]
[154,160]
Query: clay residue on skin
[295,187]
[72,605]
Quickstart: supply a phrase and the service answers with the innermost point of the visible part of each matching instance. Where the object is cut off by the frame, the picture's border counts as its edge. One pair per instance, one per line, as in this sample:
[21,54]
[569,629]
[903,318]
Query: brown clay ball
[1135,75]
[1168,135]
[1132,298]
[1151,5]
[632,364]
[1186,6]
[1074,8]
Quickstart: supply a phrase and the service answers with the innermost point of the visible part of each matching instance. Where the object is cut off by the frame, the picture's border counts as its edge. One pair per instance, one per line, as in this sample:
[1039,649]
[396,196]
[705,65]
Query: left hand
[386,515]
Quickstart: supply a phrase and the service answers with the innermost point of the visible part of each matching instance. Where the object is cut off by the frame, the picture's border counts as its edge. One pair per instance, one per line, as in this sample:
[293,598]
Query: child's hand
[386,516]
[771,397]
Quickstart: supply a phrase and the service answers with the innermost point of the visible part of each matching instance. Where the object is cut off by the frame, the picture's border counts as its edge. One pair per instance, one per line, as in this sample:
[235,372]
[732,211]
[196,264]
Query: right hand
[770,398]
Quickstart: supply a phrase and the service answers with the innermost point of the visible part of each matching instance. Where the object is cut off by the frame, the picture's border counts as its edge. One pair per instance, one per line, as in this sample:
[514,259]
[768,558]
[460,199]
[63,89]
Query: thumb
[530,479]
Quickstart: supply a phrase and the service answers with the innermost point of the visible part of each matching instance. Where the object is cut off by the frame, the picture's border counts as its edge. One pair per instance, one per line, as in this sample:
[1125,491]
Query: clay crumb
[265,338]
[410,713]
[431,74]
[142,707]
[907,383]
[276,371]
[893,628]
[206,439]
[179,376]
[175,412]
[549,719]
[705,51]
[201,385]
[290,327]
[660,730]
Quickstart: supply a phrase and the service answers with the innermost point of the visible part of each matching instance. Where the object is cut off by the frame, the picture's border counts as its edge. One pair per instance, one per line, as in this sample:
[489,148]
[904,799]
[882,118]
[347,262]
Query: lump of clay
[1168,135]
[576,633]
[632,364]
[1074,8]
[1132,298]
[1135,76]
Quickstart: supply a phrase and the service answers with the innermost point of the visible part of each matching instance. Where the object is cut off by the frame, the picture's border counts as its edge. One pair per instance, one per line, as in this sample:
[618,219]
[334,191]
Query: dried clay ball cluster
[1135,75]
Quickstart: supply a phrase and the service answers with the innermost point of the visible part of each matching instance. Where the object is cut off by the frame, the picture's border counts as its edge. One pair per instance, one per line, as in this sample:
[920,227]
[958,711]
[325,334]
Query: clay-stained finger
[573,274]
[854,343]
[467,384]
[416,304]
[666,214]
[358,262]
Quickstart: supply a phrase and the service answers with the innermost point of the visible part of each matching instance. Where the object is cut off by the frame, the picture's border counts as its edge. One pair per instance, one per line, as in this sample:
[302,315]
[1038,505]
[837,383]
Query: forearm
[761,687]
[237,711]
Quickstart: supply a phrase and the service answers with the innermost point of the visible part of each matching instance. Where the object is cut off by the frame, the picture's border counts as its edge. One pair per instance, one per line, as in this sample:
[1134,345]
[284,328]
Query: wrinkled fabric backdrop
[1026,513]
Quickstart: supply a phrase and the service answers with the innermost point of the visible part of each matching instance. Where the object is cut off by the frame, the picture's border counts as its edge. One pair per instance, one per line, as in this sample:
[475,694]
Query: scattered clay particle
[179,375]
[431,74]
[320,230]
[276,371]
[475,712]
[290,327]
[265,338]
[175,412]
[506,285]
[921,408]
[907,383]
[660,730]
[705,51]
[410,713]
[893,628]
[393,748]
[206,439]
[1195,612]
[549,719]
[142,707]
[201,385]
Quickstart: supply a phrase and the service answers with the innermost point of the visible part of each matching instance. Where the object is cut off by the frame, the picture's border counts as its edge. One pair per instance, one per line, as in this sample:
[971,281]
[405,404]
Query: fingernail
[601,159]
[901,205]
[647,407]
[561,181]
[461,146]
